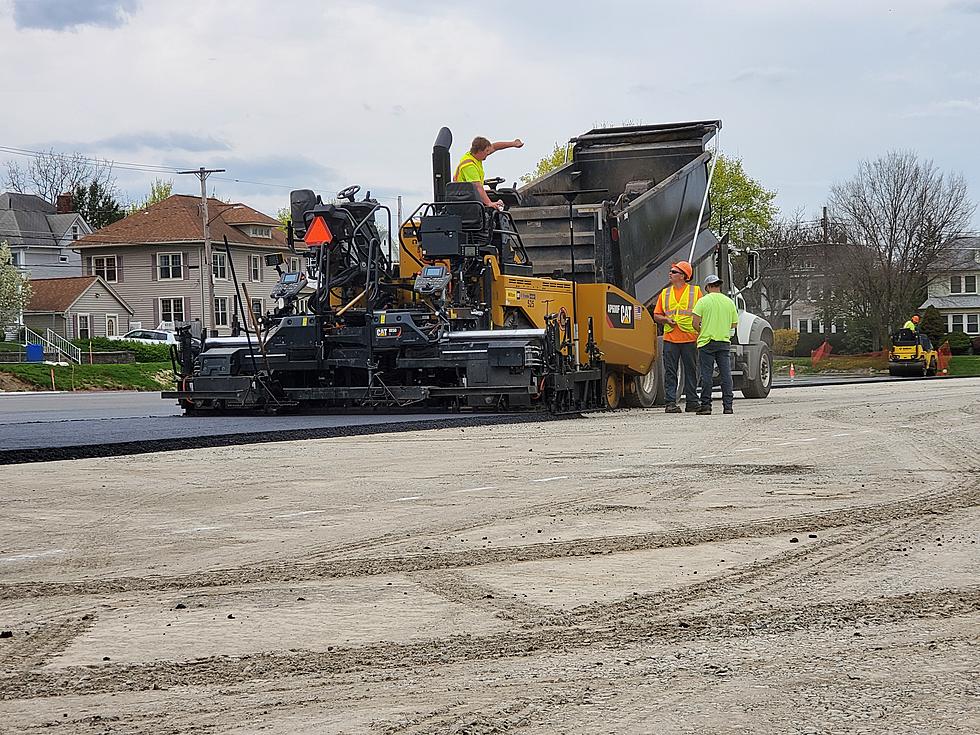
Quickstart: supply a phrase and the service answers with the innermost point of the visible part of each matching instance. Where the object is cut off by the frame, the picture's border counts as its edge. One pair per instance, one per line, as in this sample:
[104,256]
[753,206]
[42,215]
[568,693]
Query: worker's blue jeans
[674,354]
[720,353]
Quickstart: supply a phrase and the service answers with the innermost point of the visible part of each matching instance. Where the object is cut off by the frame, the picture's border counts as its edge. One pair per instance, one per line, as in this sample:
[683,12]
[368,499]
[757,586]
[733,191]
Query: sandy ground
[809,565]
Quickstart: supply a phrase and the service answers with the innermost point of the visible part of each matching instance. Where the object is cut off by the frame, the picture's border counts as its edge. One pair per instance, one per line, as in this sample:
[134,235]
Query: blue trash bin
[35,353]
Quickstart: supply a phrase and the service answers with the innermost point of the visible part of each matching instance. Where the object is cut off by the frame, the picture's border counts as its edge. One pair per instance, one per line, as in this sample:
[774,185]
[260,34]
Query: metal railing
[63,346]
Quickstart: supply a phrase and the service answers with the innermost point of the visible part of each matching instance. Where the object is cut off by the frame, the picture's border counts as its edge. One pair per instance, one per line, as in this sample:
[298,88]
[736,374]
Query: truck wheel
[644,389]
[613,387]
[761,384]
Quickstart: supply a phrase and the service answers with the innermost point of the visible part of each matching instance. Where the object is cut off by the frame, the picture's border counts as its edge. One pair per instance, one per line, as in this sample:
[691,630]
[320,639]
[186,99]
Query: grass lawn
[151,376]
[958,365]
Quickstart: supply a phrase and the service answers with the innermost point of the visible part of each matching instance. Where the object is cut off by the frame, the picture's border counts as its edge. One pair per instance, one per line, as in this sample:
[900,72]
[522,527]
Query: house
[153,260]
[42,236]
[953,286]
[77,307]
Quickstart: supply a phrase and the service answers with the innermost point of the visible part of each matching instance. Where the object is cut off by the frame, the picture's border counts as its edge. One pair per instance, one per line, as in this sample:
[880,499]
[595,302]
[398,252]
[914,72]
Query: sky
[319,94]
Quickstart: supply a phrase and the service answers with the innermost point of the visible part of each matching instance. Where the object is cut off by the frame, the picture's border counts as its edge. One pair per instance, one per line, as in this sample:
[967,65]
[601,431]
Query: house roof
[956,301]
[56,295]
[26,219]
[962,255]
[178,219]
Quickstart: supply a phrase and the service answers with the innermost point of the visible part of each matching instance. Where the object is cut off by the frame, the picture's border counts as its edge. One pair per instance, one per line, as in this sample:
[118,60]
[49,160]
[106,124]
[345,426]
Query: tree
[160,189]
[740,206]
[933,325]
[97,206]
[897,216]
[558,157]
[15,288]
[784,247]
[50,174]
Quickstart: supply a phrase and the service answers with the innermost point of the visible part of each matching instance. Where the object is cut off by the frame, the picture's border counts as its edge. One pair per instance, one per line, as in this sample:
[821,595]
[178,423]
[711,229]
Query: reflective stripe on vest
[467,158]
[671,307]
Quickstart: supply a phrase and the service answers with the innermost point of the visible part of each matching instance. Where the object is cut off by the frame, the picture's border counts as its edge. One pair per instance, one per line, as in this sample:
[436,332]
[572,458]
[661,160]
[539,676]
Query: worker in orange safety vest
[673,310]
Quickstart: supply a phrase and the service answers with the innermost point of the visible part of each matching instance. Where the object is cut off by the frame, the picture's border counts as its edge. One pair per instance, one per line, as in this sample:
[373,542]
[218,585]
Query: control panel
[432,280]
[290,285]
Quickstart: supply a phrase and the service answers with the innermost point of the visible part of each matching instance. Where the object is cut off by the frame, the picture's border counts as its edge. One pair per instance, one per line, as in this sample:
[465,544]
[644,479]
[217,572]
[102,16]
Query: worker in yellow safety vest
[673,310]
[912,323]
[470,167]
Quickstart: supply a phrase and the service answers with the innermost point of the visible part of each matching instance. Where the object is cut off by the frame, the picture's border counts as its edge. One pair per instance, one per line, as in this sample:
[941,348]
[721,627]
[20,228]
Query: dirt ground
[809,565]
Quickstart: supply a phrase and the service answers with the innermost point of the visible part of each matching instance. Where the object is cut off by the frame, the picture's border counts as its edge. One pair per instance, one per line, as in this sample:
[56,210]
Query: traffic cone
[792,371]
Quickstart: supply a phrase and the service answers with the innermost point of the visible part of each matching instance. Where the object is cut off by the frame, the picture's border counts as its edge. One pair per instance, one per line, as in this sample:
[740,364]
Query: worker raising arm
[470,167]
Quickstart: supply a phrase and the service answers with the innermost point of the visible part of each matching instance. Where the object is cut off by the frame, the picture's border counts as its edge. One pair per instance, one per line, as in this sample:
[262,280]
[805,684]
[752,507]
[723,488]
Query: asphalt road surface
[808,565]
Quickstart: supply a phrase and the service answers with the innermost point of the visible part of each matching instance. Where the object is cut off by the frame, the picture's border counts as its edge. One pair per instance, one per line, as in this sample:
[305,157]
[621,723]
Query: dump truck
[643,205]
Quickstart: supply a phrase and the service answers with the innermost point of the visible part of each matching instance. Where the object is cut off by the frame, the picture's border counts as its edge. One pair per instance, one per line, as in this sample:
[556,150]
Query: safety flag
[318,232]
[945,354]
[821,353]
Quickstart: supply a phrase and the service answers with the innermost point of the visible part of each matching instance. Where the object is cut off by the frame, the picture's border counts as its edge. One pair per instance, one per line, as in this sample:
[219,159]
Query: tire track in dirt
[951,500]
[866,612]
[29,650]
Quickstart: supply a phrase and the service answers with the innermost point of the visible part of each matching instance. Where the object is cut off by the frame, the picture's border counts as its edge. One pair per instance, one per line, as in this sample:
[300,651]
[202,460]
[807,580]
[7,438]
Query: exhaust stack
[441,164]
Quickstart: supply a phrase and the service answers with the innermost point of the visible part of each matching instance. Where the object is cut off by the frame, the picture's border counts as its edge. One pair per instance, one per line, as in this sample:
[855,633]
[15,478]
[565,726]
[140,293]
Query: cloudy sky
[322,94]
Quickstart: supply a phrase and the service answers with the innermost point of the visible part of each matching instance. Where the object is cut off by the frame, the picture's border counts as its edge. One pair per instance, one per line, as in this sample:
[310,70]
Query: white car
[148,337]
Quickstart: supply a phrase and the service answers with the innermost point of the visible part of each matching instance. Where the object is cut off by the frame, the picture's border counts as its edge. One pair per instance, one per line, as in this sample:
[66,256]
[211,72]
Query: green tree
[15,288]
[933,325]
[740,206]
[96,204]
[160,189]
[284,215]
[558,157]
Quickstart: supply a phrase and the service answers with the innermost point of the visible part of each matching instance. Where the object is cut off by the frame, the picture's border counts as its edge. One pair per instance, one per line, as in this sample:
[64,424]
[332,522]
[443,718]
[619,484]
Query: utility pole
[207,316]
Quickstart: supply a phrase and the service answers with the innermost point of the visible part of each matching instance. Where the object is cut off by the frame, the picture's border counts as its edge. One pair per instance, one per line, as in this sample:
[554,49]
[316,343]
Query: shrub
[141,352]
[933,324]
[784,341]
[959,343]
[976,345]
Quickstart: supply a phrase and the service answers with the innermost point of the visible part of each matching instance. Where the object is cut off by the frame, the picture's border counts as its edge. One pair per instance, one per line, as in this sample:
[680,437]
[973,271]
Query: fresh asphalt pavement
[38,420]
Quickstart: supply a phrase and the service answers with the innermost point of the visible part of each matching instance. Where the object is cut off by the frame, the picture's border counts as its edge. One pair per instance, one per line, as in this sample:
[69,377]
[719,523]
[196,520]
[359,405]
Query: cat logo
[626,314]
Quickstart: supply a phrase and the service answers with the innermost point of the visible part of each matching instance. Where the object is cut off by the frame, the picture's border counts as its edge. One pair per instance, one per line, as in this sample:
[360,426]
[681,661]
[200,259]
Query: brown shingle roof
[57,294]
[178,219]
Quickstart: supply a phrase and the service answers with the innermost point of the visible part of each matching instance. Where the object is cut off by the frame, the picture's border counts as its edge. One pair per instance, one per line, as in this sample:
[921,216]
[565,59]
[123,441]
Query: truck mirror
[752,267]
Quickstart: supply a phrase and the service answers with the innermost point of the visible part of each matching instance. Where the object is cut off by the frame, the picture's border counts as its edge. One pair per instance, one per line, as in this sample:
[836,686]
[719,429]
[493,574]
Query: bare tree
[50,174]
[897,216]
[785,248]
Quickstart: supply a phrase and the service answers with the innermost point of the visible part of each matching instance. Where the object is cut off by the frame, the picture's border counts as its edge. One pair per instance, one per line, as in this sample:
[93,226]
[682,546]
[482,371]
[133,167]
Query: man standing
[470,167]
[912,323]
[674,310]
[715,315]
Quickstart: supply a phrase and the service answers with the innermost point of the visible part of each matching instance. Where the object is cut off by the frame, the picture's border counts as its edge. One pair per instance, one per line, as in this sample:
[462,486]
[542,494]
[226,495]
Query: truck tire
[761,384]
[644,389]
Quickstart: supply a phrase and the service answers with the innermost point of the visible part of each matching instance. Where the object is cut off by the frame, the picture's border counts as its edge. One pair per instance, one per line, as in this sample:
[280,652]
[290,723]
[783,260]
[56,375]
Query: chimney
[64,204]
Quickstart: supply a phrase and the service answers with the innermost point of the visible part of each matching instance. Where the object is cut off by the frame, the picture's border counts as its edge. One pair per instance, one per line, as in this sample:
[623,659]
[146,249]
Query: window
[219,266]
[172,310]
[15,259]
[84,326]
[257,308]
[972,323]
[74,232]
[62,258]
[804,326]
[261,231]
[111,325]
[956,323]
[955,285]
[105,267]
[255,267]
[294,265]
[969,284]
[170,267]
[221,312]
[962,284]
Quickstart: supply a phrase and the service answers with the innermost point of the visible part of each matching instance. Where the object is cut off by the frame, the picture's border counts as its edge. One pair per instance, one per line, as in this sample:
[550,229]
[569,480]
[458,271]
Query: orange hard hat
[915,318]
[685,268]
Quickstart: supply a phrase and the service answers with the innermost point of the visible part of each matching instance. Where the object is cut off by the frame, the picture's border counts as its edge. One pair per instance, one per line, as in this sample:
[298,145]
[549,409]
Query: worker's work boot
[692,408]
[729,410]
[672,408]
[704,411]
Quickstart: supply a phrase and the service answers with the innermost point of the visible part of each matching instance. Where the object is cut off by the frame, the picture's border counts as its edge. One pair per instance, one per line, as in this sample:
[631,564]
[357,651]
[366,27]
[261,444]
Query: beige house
[77,307]
[153,260]
[954,287]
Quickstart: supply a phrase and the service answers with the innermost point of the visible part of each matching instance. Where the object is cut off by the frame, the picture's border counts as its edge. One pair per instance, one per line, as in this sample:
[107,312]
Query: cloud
[66,15]
[164,141]
[946,108]
[965,6]
[763,74]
